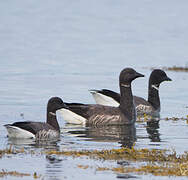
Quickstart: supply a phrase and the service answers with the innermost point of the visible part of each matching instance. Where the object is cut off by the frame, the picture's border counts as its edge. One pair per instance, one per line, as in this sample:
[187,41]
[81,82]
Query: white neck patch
[125,85]
[53,114]
[155,87]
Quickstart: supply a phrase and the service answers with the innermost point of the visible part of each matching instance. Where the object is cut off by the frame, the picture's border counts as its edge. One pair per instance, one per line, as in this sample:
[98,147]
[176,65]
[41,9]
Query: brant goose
[38,130]
[150,107]
[96,115]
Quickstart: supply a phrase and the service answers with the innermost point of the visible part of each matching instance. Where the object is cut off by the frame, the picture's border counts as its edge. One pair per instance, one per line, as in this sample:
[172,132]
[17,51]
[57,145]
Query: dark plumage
[150,106]
[39,130]
[106,115]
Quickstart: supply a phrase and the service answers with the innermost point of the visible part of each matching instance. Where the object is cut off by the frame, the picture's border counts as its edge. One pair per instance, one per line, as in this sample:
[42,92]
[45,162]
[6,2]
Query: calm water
[63,48]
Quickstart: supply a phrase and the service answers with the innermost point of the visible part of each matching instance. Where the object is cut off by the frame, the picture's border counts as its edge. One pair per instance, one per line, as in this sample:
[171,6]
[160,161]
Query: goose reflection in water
[20,143]
[152,129]
[54,167]
[125,135]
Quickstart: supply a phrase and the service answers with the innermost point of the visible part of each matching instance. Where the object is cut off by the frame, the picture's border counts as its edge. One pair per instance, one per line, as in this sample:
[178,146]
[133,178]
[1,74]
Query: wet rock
[123,163]
[125,176]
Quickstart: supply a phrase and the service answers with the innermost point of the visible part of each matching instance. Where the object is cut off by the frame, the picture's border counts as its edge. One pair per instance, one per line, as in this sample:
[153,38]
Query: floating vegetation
[158,162]
[10,150]
[176,68]
[4,173]
[36,176]
[148,155]
[157,170]
[165,169]
[13,151]
[147,118]
[82,166]
[177,118]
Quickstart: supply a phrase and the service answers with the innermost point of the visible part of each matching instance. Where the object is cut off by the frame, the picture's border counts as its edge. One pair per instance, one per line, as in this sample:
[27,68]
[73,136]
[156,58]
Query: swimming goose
[96,115]
[150,106]
[38,130]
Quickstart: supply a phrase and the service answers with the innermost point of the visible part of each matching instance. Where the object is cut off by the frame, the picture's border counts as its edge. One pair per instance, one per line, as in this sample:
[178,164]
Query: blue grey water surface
[63,48]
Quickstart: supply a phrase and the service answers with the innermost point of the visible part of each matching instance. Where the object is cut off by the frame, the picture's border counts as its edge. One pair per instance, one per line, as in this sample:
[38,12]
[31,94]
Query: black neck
[52,120]
[126,101]
[153,95]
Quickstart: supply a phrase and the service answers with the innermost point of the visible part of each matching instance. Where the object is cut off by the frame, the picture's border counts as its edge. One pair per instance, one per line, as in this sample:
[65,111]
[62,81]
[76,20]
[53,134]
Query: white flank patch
[103,99]
[71,117]
[16,132]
